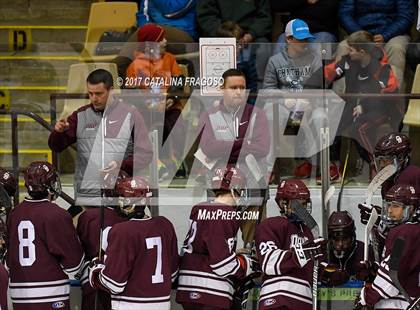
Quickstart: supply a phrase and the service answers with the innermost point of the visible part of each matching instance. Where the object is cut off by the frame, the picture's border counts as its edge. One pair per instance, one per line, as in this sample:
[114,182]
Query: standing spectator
[43,247]
[294,69]
[121,128]
[321,17]
[389,21]
[232,130]
[254,17]
[366,71]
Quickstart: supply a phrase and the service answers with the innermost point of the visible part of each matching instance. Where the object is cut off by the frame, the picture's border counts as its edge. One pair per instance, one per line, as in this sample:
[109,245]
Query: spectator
[321,17]
[238,127]
[153,62]
[245,59]
[295,69]
[254,17]
[151,59]
[177,17]
[389,21]
[131,149]
[366,70]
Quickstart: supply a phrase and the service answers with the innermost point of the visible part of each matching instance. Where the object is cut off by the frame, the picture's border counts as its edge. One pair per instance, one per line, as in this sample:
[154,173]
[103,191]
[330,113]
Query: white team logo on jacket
[195,295]
[295,240]
[269,302]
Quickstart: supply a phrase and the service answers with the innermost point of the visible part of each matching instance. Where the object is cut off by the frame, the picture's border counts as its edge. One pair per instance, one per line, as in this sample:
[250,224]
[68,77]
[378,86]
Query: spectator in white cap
[294,69]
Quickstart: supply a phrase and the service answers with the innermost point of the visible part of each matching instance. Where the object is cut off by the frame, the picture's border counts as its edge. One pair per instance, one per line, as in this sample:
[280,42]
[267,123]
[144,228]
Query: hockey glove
[359,302]
[95,267]
[366,211]
[366,271]
[332,276]
[311,249]
[248,264]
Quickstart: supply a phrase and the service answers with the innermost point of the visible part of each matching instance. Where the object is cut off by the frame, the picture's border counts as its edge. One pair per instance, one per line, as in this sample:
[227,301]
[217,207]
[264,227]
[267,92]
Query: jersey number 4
[26,234]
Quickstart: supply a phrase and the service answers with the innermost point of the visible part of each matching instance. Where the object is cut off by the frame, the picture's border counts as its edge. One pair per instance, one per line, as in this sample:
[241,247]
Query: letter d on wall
[20,39]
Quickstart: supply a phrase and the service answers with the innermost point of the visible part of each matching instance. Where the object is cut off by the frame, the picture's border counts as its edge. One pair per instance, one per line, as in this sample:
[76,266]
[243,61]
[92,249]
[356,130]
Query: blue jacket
[389,18]
[156,9]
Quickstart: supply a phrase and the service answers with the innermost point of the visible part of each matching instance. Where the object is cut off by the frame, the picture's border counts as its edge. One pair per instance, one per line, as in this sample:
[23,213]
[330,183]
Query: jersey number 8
[26,234]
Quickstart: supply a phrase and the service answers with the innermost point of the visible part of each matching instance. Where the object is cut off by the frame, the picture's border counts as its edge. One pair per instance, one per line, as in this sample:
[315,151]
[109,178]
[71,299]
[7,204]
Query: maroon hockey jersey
[88,227]
[4,284]
[408,176]
[208,262]
[348,263]
[285,283]
[141,261]
[383,293]
[43,250]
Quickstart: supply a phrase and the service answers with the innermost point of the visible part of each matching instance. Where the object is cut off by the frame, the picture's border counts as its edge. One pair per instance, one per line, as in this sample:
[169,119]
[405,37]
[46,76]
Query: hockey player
[209,263]
[141,257]
[4,276]
[399,214]
[43,247]
[345,251]
[394,149]
[88,229]
[286,249]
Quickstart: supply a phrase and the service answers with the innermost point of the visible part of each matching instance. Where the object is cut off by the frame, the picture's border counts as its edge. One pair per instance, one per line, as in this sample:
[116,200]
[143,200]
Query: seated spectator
[366,70]
[321,17]
[153,62]
[254,17]
[151,59]
[294,69]
[389,21]
[178,18]
[245,60]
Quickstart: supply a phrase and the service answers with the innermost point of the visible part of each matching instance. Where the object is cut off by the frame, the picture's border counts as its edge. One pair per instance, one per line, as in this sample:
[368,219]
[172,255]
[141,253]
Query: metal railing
[14,113]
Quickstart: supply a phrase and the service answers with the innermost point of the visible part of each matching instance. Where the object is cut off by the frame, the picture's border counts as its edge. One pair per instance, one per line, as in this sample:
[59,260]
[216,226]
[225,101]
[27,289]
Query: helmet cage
[283,205]
[389,221]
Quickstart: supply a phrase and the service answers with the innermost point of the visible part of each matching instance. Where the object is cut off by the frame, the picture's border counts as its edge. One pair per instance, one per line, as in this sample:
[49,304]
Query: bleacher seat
[117,16]
[412,117]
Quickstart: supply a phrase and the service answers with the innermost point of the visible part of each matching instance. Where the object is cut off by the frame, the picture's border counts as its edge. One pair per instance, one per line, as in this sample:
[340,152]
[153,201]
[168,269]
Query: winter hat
[150,33]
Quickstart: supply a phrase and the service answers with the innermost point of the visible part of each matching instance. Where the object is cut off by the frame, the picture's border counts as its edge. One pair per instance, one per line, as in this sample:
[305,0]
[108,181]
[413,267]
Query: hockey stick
[329,193]
[372,220]
[378,180]
[310,222]
[340,194]
[255,170]
[394,264]
[248,283]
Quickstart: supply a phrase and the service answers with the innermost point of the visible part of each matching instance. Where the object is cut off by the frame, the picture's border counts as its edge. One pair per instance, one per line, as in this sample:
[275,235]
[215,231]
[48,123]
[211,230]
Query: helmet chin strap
[339,254]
